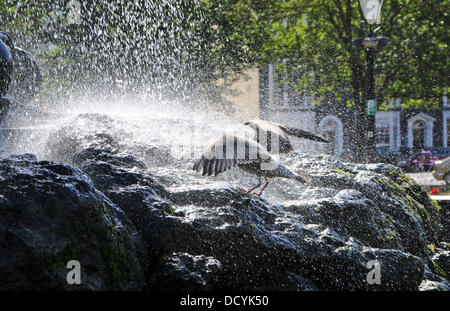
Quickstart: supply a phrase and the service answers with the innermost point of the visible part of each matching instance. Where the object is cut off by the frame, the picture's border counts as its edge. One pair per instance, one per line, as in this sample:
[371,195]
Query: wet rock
[95,135]
[181,271]
[441,262]
[183,231]
[428,285]
[259,247]
[50,214]
[83,132]
[444,246]
[377,204]
[433,282]
[445,220]
[397,270]
[107,176]
[108,155]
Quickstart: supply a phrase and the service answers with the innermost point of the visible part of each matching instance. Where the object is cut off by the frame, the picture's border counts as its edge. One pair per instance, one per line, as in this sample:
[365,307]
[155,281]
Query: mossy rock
[49,215]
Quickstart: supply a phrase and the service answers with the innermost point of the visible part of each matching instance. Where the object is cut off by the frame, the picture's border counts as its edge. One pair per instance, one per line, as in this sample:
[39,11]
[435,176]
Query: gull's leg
[265,185]
[259,184]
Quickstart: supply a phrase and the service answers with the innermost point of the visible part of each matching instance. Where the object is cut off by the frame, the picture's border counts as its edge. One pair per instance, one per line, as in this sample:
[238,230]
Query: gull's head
[251,124]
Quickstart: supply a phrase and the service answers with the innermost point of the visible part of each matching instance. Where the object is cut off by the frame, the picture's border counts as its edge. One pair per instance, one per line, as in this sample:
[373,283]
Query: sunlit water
[177,133]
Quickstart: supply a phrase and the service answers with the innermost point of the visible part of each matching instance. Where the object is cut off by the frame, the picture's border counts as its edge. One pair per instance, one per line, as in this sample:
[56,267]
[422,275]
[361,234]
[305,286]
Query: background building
[399,130]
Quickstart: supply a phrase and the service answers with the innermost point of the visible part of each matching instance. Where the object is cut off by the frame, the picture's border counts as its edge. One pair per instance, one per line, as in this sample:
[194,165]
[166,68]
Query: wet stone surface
[145,220]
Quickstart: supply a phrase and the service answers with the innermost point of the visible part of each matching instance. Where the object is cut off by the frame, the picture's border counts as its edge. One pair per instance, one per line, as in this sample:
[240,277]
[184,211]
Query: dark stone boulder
[428,285]
[398,271]
[258,246]
[50,214]
[181,231]
[182,271]
[378,204]
[441,262]
[433,282]
[445,220]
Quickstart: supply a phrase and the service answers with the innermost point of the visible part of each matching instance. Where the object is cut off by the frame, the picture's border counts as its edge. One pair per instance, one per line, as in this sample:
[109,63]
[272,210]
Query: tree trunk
[359,129]
[364,131]
[370,119]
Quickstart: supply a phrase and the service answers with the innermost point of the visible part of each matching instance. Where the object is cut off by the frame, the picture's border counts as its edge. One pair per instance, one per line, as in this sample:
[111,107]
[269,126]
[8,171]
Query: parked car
[441,170]
[423,160]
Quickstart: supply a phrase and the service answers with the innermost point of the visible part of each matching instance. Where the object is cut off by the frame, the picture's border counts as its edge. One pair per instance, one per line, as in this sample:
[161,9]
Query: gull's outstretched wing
[228,152]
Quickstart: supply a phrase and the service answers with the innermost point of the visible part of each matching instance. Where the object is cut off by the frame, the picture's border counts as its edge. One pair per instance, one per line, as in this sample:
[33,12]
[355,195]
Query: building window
[332,128]
[445,127]
[418,135]
[420,131]
[283,90]
[448,130]
[330,135]
[383,134]
[388,129]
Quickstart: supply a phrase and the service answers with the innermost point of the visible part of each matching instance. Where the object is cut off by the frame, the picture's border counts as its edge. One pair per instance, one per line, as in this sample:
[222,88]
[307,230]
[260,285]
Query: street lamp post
[371,10]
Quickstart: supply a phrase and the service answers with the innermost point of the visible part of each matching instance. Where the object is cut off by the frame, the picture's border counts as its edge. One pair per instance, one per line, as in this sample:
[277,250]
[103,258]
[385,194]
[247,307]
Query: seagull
[269,134]
[232,151]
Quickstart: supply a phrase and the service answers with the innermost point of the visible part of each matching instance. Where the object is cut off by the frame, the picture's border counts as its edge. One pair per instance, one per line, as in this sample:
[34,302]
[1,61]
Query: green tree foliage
[164,45]
[318,36]
[416,64]
[164,42]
